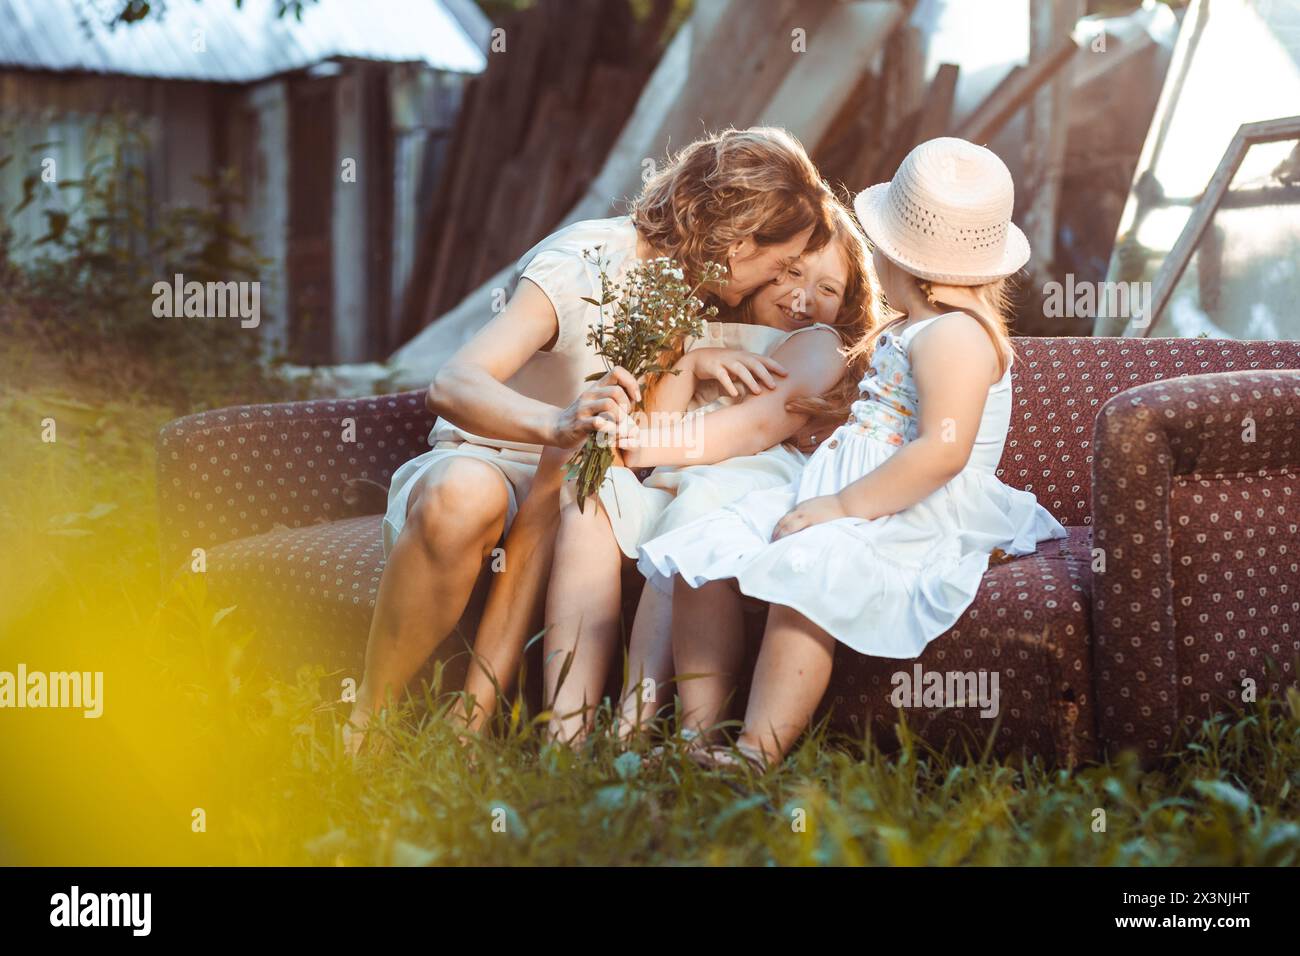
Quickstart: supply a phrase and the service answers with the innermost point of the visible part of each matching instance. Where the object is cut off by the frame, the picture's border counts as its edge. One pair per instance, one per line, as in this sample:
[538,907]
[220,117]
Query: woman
[733,445]
[748,198]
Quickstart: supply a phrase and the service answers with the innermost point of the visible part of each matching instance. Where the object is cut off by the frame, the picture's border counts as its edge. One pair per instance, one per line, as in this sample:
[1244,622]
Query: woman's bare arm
[470,390]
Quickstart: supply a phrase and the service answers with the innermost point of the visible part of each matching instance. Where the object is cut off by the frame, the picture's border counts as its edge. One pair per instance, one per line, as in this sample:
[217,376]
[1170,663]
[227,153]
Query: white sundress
[884,587]
[672,496]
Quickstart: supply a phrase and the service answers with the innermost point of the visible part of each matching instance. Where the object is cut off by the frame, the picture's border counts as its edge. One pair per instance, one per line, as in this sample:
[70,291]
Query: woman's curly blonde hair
[753,183]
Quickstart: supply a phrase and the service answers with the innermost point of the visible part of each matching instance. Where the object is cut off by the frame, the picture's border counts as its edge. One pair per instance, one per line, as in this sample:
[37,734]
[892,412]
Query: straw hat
[946,215]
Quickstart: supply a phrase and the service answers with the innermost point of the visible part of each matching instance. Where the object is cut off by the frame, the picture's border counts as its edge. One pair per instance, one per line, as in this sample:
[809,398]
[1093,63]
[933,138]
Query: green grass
[191,728]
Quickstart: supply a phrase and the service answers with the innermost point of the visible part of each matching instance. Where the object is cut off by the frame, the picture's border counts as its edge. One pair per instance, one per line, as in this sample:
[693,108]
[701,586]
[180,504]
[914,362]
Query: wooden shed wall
[59,116]
[393,119]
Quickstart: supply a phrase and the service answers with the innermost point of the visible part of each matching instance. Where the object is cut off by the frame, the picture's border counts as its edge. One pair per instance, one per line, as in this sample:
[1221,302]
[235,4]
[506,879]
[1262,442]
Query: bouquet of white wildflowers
[654,310]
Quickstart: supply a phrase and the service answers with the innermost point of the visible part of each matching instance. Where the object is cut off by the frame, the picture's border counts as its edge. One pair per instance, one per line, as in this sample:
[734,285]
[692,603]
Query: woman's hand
[602,407]
[722,365]
[811,512]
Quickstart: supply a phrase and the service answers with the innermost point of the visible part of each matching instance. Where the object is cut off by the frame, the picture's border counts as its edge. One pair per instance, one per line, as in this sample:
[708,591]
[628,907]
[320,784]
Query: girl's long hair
[994,305]
[860,314]
[753,183]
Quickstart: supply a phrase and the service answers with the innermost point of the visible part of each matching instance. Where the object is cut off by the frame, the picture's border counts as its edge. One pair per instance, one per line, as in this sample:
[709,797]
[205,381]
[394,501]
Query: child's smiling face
[811,289]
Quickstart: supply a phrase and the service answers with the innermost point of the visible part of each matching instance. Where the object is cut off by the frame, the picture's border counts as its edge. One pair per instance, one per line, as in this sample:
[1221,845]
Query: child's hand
[720,365]
[811,512]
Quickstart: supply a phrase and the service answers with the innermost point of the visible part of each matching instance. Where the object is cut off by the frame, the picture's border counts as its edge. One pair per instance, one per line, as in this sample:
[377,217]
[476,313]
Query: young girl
[881,542]
[800,322]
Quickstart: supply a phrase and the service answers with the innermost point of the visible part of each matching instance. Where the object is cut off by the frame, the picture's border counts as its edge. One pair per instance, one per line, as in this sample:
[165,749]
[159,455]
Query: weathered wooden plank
[600,128]
[493,135]
[1013,93]
[936,113]
[897,146]
[882,155]
[820,81]
[419,299]
[901,94]
[1048,128]
[855,129]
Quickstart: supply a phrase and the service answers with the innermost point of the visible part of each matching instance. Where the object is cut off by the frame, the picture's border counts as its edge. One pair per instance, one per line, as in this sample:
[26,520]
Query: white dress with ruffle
[672,496]
[884,587]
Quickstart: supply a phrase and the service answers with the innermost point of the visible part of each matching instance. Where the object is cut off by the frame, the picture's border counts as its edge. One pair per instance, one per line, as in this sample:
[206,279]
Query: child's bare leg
[517,596]
[583,606]
[708,649]
[793,671]
[649,661]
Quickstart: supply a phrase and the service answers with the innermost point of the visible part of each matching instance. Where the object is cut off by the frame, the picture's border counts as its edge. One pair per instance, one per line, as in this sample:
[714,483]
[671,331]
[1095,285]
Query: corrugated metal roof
[238,45]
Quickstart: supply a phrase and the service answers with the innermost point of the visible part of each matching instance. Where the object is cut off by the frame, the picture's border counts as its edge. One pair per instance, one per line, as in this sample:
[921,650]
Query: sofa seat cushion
[308,592]
[1029,623]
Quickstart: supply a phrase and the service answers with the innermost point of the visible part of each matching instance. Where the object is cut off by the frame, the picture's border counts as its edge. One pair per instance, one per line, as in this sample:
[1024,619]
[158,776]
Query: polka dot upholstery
[236,472]
[308,594]
[1197,592]
[313,588]
[1061,383]
[1197,484]
[1030,624]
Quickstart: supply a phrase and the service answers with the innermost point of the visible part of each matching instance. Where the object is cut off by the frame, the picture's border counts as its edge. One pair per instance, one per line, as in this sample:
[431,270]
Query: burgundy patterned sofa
[1174,463]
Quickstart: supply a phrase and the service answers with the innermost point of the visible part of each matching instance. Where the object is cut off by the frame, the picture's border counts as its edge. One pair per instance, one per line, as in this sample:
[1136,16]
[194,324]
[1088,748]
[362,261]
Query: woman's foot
[354,739]
[354,730]
[357,735]
[720,757]
[467,730]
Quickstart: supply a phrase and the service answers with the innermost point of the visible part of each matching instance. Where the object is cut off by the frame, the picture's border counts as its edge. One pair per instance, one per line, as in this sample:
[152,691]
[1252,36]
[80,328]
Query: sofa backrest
[1059,385]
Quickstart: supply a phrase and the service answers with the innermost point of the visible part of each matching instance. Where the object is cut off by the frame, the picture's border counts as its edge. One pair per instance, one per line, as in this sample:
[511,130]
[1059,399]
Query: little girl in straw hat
[881,542]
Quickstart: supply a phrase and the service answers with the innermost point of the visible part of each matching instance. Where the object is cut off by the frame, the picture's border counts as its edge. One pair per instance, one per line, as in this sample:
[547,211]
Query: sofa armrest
[234,472]
[1195,504]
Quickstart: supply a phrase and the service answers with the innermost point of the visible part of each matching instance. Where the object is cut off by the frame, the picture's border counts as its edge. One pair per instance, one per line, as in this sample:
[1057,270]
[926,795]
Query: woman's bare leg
[649,661]
[454,517]
[583,607]
[516,598]
[708,650]
[790,679]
